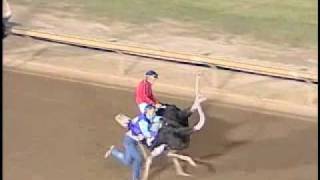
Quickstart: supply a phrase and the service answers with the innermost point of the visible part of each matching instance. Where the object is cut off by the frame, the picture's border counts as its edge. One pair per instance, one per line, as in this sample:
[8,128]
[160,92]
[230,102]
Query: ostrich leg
[178,167]
[182,157]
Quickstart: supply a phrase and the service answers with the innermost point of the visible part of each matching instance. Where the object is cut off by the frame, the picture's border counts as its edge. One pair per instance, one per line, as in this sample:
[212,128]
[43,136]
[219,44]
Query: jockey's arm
[144,126]
[146,94]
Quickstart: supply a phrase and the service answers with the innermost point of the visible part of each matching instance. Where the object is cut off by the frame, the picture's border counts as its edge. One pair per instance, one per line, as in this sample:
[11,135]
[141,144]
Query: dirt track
[57,129]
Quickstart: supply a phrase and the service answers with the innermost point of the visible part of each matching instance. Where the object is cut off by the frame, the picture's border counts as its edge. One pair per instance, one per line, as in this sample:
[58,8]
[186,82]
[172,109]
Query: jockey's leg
[131,156]
[136,164]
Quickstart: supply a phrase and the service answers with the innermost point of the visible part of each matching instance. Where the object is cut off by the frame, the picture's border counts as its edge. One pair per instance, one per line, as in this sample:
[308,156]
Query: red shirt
[144,93]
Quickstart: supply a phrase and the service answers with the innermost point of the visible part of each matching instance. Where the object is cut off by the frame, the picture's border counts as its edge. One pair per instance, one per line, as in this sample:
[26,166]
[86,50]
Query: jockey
[144,94]
[143,127]
[146,124]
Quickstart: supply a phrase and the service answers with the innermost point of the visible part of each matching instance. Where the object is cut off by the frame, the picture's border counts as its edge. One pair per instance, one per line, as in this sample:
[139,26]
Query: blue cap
[152,73]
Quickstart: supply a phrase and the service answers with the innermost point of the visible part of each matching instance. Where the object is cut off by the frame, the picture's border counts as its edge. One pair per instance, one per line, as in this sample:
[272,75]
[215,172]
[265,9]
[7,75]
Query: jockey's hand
[140,137]
[149,141]
[158,106]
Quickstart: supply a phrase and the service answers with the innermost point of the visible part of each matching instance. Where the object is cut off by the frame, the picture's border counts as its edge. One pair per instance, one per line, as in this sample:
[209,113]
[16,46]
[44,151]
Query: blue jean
[130,157]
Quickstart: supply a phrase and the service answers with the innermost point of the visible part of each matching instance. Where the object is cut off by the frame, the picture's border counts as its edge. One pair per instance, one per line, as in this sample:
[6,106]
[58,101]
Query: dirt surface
[57,129]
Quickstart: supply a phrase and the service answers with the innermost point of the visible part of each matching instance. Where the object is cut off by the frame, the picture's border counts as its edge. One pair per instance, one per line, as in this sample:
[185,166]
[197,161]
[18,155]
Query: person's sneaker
[107,154]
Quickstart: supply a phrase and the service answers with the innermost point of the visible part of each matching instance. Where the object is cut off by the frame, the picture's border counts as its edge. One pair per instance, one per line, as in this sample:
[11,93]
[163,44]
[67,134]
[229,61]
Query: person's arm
[145,129]
[152,97]
[147,93]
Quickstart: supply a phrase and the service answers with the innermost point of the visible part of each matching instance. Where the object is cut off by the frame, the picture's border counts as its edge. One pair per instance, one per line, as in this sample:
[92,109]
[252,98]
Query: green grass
[292,22]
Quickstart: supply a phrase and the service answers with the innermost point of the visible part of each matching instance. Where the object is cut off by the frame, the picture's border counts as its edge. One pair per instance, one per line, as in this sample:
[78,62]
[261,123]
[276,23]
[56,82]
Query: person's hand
[158,106]
[149,141]
[140,137]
